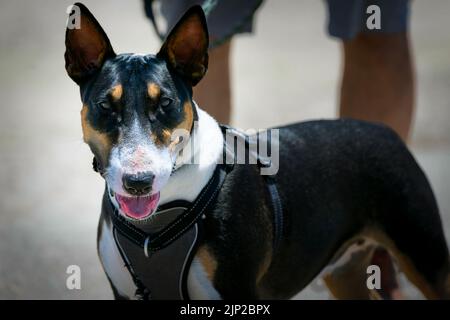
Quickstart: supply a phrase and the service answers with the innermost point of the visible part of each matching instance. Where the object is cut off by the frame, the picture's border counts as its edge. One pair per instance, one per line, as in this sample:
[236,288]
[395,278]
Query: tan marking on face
[167,134]
[186,124]
[116,92]
[95,139]
[188,117]
[174,143]
[208,262]
[153,90]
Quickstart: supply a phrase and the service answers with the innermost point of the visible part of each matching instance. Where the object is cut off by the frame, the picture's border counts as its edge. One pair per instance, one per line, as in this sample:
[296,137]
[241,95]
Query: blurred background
[287,71]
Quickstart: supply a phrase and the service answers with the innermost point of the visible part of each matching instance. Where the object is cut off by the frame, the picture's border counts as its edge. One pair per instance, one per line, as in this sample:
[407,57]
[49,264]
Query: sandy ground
[288,71]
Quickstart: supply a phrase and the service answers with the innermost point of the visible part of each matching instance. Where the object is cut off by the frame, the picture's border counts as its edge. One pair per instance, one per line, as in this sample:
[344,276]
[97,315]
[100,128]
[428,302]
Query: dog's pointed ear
[87,46]
[186,48]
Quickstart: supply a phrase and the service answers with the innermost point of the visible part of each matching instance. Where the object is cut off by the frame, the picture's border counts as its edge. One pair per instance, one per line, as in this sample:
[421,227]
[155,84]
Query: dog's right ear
[87,46]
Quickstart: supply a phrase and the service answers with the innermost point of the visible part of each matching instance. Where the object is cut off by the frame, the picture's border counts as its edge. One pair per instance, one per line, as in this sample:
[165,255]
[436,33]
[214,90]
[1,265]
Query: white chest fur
[198,284]
[185,184]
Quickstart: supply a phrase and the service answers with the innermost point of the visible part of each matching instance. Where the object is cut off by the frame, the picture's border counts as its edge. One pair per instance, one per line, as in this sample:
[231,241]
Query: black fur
[335,179]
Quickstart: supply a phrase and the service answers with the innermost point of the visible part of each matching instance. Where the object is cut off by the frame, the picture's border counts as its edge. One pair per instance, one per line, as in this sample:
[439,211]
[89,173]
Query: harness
[158,255]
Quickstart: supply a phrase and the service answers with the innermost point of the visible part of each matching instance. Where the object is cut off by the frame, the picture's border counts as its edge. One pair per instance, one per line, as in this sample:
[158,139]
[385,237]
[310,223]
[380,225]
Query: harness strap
[142,292]
[154,242]
[278,219]
[270,181]
[183,228]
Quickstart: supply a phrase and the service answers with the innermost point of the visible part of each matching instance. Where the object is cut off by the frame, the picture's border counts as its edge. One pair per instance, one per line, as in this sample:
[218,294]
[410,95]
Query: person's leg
[213,93]
[378,85]
[378,80]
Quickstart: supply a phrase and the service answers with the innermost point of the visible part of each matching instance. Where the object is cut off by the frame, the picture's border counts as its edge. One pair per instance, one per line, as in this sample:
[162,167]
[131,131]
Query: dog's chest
[113,263]
[162,273]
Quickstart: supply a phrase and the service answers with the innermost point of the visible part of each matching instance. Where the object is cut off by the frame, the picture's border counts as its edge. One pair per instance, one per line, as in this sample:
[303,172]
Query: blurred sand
[288,71]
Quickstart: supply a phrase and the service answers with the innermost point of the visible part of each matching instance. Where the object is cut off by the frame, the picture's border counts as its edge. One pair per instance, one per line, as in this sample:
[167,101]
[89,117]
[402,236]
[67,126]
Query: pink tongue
[138,207]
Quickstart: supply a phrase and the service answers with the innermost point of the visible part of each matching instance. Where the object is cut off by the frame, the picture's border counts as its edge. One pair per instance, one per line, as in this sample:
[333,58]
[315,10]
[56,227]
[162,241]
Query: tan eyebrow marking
[153,90]
[116,92]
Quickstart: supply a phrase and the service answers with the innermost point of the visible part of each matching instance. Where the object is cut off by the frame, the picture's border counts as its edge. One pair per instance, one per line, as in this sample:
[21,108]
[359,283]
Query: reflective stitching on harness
[189,225]
[182,225]
[186,213]
[128,227]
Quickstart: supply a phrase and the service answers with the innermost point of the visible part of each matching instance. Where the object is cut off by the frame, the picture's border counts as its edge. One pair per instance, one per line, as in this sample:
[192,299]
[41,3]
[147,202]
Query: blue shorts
[347,18]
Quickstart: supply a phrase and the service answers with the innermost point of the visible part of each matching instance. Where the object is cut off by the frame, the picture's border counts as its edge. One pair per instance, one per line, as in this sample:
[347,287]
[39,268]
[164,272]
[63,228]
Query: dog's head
[132,104]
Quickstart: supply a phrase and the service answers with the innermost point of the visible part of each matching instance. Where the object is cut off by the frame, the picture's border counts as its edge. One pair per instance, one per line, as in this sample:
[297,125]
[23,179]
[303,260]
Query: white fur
[113,263]
[185,184]
[346,256]
[135,153]
[198,284]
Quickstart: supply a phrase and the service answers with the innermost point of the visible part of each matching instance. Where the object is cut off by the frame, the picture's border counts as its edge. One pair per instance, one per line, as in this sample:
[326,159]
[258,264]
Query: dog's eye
[165,102]
[103,105]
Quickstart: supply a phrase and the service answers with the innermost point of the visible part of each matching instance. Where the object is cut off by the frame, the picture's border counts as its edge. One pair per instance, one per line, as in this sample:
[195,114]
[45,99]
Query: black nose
[138,184]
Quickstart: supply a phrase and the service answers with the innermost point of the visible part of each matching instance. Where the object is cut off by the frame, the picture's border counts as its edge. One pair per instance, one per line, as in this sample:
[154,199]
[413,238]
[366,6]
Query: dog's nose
[138,184]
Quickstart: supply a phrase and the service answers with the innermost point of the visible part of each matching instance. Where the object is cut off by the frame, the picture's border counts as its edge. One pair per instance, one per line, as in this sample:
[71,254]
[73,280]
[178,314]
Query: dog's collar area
[142,251]
[152,242]
[177,165]
[179,234]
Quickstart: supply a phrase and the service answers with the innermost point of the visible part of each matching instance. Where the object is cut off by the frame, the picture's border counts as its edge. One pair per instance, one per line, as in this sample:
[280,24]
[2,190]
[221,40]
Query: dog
[341,187]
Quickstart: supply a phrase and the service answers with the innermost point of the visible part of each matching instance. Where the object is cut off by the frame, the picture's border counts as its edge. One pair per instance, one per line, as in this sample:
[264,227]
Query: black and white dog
[170,229]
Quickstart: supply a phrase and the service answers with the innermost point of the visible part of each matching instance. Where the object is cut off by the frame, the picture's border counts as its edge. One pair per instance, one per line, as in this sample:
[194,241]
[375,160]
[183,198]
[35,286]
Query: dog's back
[341,182]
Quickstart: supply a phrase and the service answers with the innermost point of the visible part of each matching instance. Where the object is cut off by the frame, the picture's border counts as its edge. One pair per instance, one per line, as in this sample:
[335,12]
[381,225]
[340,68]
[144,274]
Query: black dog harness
[158,255]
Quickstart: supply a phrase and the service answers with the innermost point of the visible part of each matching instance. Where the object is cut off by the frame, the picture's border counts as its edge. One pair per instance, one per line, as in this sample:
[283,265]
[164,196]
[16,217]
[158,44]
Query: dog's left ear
[186,48]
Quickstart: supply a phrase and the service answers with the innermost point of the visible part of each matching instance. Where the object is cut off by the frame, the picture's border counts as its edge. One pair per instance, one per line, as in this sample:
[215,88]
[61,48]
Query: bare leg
[378,80]
[213,93]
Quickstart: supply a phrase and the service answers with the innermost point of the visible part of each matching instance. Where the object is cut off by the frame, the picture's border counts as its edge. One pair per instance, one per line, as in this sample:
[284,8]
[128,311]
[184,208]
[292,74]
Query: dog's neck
[189,179]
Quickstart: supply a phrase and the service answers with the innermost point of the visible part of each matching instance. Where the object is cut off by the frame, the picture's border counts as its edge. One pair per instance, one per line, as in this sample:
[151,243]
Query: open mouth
[138,207]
